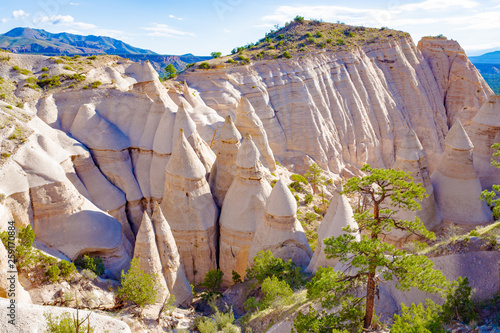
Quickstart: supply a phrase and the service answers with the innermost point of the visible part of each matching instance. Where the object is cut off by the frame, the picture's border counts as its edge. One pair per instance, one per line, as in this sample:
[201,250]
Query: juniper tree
[386,191]
[492,197]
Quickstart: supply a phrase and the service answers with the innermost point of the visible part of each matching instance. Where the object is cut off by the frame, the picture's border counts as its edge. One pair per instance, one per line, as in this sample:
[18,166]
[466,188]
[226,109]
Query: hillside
[27,40]
[487,58]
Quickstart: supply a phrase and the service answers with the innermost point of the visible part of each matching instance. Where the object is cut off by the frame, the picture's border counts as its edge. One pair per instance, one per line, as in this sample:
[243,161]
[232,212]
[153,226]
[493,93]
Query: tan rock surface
[170,259]
[224,169]
[147,251]
[460,85]
[484,131]
[242,211]
[456,185]
[280,231]
[190,210]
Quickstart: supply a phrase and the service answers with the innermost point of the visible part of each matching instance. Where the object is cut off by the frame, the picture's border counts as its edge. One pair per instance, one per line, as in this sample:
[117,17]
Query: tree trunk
[372,271]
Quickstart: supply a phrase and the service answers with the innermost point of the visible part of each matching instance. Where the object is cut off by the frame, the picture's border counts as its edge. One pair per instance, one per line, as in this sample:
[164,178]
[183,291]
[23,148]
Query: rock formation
[147,251]
[201,148]
[460,85]
[170,259]
[224,169]
[484,131]
[247,121]
[456,184]
[338,216]
[410,157]
[190,210]
[242,211]
[281,231]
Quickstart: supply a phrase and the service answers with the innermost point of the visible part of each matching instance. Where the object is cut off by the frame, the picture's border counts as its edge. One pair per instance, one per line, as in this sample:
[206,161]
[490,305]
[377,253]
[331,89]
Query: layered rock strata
[456,185]
[170,259]
[224,169]
[242,211]
[410,157]
[338,216]
[484,131]
[190,210]
[146,251]
[280,231]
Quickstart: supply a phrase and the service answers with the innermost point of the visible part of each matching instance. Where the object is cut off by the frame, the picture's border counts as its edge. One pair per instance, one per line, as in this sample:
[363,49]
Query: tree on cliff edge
[371,258]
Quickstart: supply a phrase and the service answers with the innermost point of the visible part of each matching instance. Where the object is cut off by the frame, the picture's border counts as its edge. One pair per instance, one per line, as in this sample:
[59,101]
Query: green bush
[54,81]
[417,319]
[340,41]
[138,286]
[266,265]
[251,304]
[286,55]
[212,283]
[319,34]
[92,57]
[204,65]
[67,324]
[296,186]
[230,61]
[44,69]
[299,19]
[236,277]
[21,71]
[53,273]
[206,325]
[67,269]
[314,322]
[216,54]
[458,304]
[94,264]
[275,292]
[308,199]
[298,178]
[308,35]
[218,322]
[95,84]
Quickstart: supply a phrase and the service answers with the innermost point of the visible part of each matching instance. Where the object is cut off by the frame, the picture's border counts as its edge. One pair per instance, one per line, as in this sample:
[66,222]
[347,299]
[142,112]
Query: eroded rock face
[224,169]
[146,251]
[280,231]
[410,157]
[190,210]
[456,184]
[242,210]
[170,259]
[484,131]
[338,216]
[460,85]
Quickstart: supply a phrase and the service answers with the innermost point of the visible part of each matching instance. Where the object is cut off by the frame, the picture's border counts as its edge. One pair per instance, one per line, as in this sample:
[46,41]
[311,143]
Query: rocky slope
[354,106]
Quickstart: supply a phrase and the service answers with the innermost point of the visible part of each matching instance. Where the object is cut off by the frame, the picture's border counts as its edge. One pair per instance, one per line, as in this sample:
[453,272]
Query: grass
[21,70]
[16,134]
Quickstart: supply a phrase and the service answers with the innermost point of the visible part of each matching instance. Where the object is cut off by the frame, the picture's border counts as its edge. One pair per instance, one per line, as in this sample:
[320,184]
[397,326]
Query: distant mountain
[159,62]
[27,40]
[487,58]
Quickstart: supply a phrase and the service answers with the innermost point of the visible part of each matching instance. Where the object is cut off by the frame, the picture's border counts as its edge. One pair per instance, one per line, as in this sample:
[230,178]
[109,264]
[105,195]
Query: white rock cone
[456,184]
[484,131]
[170,259]
[281,231]
[247,121]
[338,216]
[410,157]
[147,251]
[201,148]
[242,211]
[224,169]
[190,210]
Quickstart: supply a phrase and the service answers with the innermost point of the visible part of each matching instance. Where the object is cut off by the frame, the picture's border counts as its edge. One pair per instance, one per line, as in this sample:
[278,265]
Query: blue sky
[200,27]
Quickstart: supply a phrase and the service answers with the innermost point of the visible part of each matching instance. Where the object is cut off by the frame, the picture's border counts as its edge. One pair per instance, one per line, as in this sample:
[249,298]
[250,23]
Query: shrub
[251,304]
[458,304]
[266,265]
[296,186]
[204,65]
[236,277]
[417,319]
[68,68]
[88,274]
[212,283]
[138,286]
[319,34]
[275,292]
[223,319]
[206,325]
[308,35]
[92,57]
[216,54]
[340,41]
[20,105]
[298,178]
[299,19]
[308,199]
[67,324]
[286,55]
[95,84]
[329,40]
[271,47]
[53,273]
[54,81]
[94,264]
[44,69]
[230,61]
[67,269]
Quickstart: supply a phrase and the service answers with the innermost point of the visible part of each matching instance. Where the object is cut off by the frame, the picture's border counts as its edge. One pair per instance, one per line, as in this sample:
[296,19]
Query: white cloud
[5,20]
[327,13]
[66,20]
[175,17]
[18,14]
[74,4]
[480,21]
[163,30]
[431,5]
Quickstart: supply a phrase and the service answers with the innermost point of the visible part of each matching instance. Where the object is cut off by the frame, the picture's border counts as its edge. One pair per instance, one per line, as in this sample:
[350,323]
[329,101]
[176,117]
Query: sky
[201,27]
